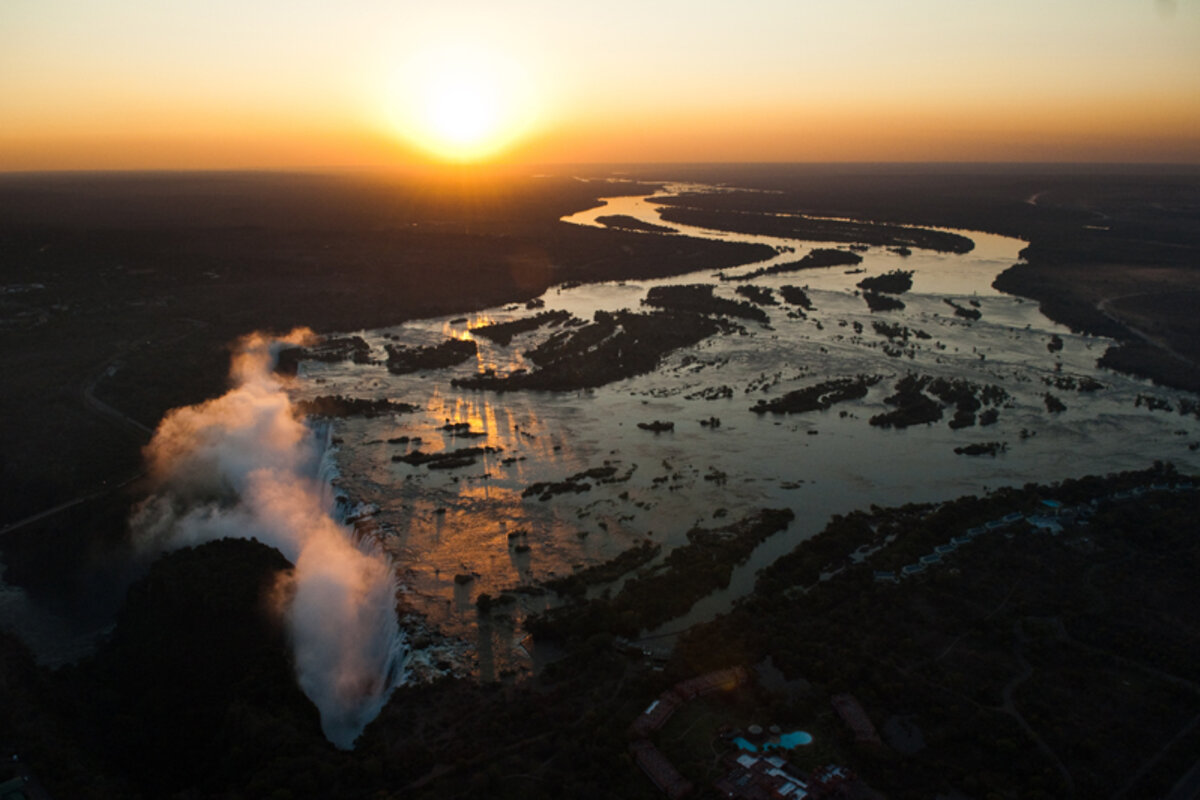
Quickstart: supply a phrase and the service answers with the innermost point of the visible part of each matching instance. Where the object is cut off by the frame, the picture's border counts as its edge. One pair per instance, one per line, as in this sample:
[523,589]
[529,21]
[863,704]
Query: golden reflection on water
[498,359]
[509,423]
[486,492]
[518,431]
[452,331]
[489,355]
[457,409]
[487,419]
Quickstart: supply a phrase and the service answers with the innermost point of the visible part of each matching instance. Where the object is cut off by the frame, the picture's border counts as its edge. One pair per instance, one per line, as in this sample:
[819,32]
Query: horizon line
[501,167]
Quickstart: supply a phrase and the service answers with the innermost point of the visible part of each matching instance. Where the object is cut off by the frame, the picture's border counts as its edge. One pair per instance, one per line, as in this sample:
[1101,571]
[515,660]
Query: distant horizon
[134,86]
[382,169]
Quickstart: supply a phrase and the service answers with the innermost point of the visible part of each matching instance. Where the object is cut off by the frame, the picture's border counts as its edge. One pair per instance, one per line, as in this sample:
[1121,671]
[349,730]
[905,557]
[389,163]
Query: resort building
[1047,524]
[660,771]
[1054,507]
[754,777]
[656,766]
[656,715]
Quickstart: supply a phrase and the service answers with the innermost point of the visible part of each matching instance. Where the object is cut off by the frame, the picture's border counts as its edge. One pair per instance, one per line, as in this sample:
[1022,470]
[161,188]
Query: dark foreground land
[1023,665]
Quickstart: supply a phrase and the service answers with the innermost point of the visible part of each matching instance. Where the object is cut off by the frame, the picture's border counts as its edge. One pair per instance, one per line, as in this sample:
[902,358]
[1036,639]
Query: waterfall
[243,465]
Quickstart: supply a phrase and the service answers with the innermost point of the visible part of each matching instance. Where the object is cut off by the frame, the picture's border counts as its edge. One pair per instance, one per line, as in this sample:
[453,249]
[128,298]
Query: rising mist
[244,465]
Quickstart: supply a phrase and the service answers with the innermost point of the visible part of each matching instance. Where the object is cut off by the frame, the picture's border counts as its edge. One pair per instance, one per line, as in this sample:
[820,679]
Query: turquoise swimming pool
[783,742]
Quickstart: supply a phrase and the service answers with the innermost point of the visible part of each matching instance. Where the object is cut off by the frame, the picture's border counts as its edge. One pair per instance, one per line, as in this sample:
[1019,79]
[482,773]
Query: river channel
[458,533]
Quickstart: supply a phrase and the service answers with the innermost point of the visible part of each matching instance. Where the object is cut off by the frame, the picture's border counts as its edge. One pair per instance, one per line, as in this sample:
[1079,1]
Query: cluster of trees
[963,311]
[898,281]
[613,347]
[330,350]
[337,405]
[576,584]
[915,406]
[820,396]
[941,648]
[882,302]
[761,295]
[686,575]
[502,333]
[402,360]
[894,330]
[796,296]
[814,259]
[716,211]
[699,299]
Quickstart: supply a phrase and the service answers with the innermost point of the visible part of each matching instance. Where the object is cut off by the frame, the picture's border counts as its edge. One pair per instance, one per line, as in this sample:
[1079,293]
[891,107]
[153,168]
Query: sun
[464,103]
[464,109]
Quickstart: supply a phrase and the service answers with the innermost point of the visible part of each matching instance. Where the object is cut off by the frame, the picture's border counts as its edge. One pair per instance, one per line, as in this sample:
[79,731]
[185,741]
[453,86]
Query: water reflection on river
[474,521]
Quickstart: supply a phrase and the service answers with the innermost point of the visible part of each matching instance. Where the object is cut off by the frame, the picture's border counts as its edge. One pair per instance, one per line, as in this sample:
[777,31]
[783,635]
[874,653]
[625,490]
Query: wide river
[439,524]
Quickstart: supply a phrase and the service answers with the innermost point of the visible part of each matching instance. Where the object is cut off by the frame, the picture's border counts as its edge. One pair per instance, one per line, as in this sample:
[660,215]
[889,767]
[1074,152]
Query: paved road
[94,404]
[108,412]
[1103,308]
[1188,787]
[1010,707]
[21,523]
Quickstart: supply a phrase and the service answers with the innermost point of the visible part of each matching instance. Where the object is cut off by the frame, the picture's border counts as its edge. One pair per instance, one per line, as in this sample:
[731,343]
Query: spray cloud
[242,465]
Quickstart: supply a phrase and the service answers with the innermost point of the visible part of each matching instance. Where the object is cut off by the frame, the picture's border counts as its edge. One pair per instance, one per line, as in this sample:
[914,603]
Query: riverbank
[1097,233]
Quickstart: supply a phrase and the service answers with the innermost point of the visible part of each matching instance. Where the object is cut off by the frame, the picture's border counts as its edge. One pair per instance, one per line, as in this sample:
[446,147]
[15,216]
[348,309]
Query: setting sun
[463,103]
[463,111]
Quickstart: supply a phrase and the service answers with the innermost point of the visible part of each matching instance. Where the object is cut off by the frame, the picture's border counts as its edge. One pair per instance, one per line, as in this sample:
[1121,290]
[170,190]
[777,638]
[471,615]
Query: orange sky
[138,84]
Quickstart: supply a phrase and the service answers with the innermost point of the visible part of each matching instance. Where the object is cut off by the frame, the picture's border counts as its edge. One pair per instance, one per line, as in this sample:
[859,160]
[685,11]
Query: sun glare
[464,110]
[464,103]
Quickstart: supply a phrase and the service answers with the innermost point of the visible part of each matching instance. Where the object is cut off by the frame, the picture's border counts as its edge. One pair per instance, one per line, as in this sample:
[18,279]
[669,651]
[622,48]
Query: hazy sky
[230,83]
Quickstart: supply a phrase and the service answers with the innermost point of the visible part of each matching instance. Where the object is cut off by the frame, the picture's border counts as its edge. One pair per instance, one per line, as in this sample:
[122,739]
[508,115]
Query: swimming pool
[783,742]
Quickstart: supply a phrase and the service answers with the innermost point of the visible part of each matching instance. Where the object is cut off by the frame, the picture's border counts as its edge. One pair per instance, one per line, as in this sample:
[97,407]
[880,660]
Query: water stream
[446,523]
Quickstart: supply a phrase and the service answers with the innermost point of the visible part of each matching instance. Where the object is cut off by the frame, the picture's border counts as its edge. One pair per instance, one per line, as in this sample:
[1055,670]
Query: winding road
[1103,307]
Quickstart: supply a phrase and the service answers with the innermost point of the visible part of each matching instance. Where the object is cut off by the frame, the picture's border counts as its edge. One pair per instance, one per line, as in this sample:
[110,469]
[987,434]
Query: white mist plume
[242,465]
